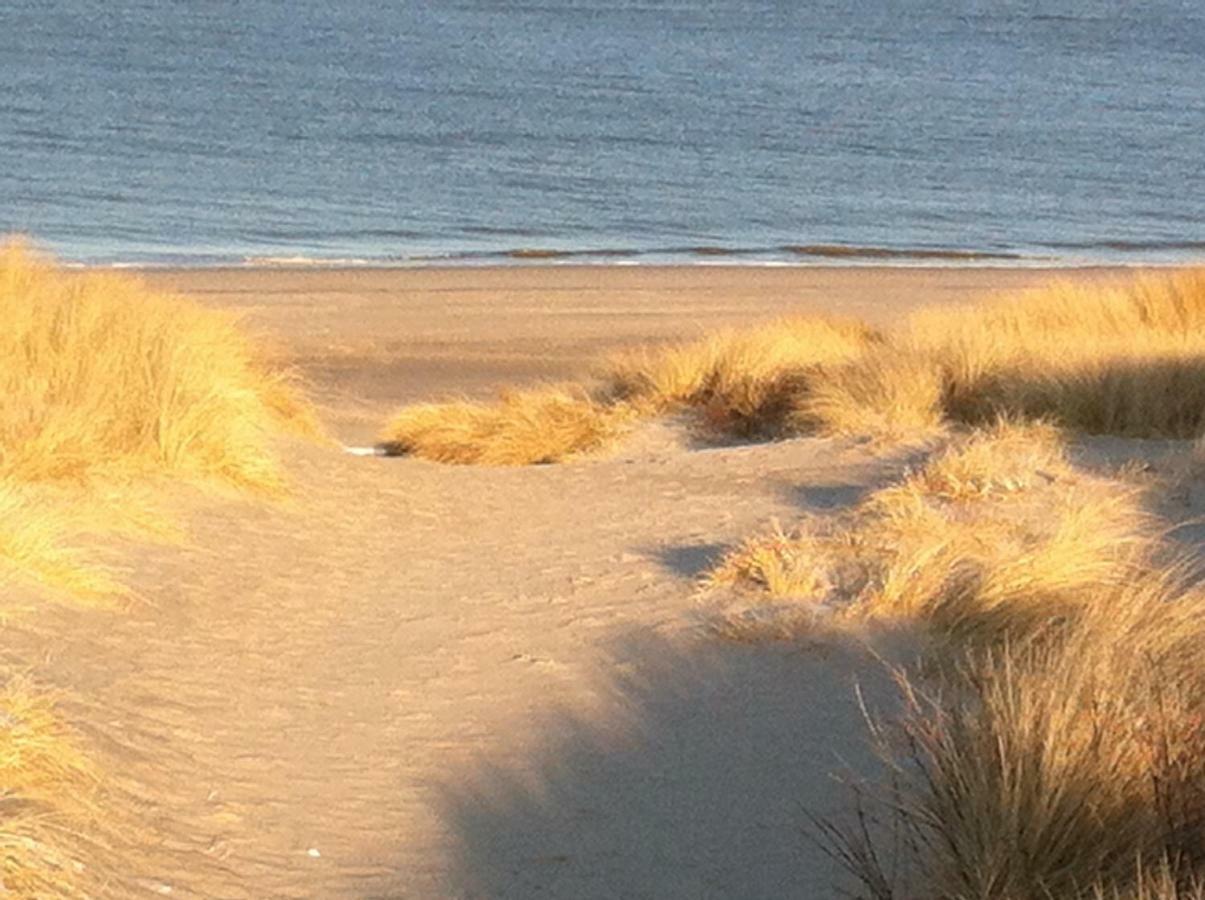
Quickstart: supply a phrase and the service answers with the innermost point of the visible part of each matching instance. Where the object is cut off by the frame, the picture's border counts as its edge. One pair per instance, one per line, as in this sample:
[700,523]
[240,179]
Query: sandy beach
[369,340]
[417,680]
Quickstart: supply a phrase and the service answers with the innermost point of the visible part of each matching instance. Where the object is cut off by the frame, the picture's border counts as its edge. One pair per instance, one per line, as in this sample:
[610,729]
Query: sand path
[477,683]
[425,681]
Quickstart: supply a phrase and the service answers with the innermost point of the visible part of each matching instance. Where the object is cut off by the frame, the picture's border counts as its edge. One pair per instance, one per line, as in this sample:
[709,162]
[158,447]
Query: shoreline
[574,260]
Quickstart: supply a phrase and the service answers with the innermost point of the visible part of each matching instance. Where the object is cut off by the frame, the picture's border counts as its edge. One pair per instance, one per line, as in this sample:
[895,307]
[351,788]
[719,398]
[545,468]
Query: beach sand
[415,680]
[370,339]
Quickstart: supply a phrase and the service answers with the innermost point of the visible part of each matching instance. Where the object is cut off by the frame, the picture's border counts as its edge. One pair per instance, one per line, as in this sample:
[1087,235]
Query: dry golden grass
[47,797]
[745,382]
[102,376]
[35,543]
[1126,358]
[105,384]
[889,394]
[1123,358]
[741,383]
[524,427]
[1062,753]
[995,535]
[1071,767]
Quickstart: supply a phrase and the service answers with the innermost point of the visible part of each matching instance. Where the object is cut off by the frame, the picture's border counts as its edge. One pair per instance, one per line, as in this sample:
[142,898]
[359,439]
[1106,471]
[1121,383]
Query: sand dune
[412,680]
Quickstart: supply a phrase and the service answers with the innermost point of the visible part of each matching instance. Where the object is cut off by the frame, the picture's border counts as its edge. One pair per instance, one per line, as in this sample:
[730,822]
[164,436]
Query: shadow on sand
[694,783]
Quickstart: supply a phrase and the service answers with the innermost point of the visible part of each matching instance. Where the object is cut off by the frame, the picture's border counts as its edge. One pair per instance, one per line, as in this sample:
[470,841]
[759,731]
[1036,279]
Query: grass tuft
[104,377]
[35,543]
[523,428]
[47,794]
[745,383]
[1125,358]
[995,535]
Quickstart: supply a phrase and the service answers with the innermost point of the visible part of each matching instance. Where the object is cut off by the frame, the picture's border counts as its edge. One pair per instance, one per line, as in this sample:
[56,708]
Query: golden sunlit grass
[35,543]
[995,535]
[103,377]
[740,383]
[108,387]
[1072,767]
[522,428]
[46,798]
[1062,751]
[746,383]
[1124,357]
[106,382]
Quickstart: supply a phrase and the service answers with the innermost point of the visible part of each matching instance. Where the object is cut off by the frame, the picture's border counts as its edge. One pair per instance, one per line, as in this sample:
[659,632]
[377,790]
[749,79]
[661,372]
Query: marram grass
[103,377]
[1123,357]
[522,428]
[108,386]
[48,799]
[1061,752]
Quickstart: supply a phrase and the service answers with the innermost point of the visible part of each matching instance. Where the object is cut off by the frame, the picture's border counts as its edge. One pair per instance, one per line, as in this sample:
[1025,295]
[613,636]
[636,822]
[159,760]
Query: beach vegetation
[104,377]
[1056,747]
[545,425]
[111,389]
[48,798]
[1123,356]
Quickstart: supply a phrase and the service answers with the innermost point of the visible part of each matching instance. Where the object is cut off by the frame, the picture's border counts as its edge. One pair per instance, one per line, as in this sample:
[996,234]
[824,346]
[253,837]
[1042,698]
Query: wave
[300,260]
[1110,252]
[1132,246]
[844,251]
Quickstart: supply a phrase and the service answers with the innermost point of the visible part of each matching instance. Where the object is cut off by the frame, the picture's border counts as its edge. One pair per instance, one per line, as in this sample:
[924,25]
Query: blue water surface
[233,130]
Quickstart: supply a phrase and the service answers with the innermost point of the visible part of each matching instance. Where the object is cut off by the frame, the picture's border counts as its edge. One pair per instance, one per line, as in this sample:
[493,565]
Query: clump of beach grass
[743,382]
[892,395]
[103,377]
[739,383]
[547,425]
[1124,357]
[1071,767]
[108,387]
[995,535]
[48,791]
[36,543]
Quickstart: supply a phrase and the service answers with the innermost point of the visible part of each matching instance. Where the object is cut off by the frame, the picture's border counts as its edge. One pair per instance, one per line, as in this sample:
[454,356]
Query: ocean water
[407,131]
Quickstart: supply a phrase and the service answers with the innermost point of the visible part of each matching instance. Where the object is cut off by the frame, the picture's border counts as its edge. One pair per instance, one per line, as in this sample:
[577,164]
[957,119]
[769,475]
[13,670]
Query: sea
[760,132]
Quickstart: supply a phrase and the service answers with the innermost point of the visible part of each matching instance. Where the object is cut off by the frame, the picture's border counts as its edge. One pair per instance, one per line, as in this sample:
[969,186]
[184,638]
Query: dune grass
[739,383]
[744,383]
[109,389]
[108,384]
[1072,767]
[47,790]
[35,543]
[523,428]
[1058,750]
[1124,357]
[996,535]
[103,377]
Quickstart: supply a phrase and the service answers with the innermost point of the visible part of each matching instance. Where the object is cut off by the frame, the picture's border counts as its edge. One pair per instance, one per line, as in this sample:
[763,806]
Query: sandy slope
[457,682]
[426,681]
